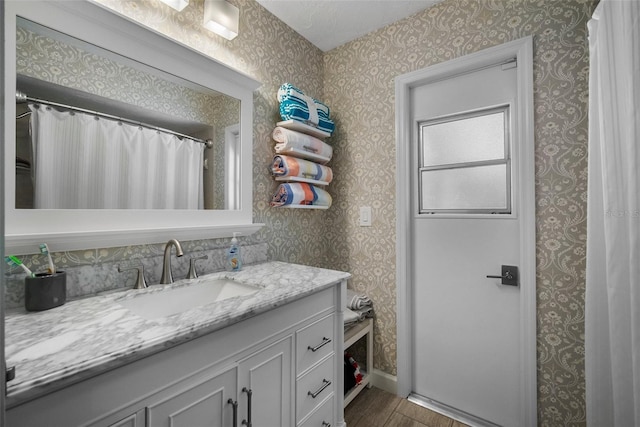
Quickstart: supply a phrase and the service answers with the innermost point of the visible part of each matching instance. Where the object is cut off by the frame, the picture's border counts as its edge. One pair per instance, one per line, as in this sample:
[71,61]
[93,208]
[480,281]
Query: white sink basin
[183,298]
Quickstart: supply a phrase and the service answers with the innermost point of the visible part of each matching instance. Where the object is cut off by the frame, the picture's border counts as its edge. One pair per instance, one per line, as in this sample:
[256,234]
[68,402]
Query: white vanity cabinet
[137,419]
[202,404]
[266,375]
[316,370]
[260,382]
[282,356]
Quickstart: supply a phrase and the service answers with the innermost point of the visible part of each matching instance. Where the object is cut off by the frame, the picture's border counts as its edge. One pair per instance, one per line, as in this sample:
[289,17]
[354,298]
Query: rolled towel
[357,301]
[363,313]
[300,194]
[295,105]
[353,316]
[288,140]
[289,92]
[350,316]
[285,166]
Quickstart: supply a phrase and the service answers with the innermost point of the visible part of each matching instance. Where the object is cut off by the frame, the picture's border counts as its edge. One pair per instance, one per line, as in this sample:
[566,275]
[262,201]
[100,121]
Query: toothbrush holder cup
[45,291]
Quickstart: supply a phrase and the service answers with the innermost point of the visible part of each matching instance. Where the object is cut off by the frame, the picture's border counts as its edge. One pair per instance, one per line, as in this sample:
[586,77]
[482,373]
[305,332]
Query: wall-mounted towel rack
[304,128]
[300,179]
[304,207]
[309,130]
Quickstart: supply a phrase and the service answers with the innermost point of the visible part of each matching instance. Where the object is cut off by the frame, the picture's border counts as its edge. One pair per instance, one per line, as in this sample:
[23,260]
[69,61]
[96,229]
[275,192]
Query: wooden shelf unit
[351,336]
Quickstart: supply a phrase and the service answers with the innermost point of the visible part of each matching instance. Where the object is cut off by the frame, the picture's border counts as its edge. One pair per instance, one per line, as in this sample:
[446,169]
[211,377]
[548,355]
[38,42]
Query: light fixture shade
[176,4]
[222,18]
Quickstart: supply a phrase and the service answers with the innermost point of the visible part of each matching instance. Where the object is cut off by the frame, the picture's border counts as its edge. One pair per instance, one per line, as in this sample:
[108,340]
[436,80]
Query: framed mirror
[119,135]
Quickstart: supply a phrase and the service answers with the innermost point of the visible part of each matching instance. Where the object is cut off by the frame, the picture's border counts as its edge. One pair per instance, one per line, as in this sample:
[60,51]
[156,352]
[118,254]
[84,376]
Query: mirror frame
[73,229]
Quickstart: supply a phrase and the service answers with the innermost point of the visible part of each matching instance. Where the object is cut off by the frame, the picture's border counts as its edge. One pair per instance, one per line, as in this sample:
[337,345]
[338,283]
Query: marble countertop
[54,348]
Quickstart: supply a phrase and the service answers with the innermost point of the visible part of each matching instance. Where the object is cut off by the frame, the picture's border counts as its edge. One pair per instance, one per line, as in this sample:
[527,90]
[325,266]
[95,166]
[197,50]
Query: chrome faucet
[167,277]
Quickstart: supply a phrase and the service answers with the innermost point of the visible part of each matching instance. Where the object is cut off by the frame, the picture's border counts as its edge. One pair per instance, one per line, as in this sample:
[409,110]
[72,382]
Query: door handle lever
[509,275]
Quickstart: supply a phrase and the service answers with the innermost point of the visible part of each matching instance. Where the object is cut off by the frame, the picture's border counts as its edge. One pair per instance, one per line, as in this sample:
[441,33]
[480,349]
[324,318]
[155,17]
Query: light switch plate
[365,216]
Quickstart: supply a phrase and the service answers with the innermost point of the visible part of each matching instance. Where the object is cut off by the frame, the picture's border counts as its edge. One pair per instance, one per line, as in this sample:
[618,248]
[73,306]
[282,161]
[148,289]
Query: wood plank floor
[377,408]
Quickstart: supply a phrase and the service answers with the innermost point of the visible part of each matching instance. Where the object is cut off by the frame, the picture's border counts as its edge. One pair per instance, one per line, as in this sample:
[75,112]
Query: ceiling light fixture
[176,4]
[222,18]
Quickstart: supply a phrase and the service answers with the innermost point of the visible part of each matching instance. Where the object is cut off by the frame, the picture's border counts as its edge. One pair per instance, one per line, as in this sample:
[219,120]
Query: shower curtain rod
[22,98]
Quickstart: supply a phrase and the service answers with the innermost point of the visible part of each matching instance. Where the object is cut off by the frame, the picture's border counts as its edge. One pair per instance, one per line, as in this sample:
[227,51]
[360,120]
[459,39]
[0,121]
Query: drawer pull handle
[325,384]
[324,342]
[326,424]
[234,404]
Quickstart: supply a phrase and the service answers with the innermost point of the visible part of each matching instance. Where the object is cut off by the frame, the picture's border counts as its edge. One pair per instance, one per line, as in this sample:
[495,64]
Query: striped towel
[357,301]
[288,140]
[295,105]
[292,167]
[300,194]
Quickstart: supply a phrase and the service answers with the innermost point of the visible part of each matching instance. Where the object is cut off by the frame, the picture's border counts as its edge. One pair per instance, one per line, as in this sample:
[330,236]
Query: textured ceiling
[331,23]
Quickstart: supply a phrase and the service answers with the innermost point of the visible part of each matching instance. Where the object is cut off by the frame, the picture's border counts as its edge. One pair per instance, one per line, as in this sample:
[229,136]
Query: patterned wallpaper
[356,80]
[64,64]
[359,86]
[227,114]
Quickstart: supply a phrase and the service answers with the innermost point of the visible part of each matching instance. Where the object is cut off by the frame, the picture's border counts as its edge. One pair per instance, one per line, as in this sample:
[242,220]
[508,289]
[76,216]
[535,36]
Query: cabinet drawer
[314,387]
[314,343]
[323,416]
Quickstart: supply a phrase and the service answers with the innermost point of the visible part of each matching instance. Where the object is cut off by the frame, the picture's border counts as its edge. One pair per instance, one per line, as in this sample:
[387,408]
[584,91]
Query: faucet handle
[141,283]
[193,273]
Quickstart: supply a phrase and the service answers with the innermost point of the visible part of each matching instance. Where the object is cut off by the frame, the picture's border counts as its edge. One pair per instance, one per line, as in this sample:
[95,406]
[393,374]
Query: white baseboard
[384,381]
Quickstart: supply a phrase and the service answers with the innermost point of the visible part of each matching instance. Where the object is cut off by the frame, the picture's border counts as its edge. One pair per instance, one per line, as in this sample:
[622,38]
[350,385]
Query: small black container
[45,291]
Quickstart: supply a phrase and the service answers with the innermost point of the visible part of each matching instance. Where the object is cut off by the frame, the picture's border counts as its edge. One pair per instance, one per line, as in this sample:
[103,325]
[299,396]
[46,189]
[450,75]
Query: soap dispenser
[234,258]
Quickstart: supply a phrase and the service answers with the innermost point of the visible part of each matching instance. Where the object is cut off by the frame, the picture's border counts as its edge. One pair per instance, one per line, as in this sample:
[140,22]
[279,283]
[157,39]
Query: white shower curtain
[612,315]
[85,162]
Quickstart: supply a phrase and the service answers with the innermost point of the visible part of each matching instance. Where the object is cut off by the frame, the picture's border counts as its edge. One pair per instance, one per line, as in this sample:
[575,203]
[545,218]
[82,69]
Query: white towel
[350,317]
[354,316]
[313,109]
[289,139]
[357,301]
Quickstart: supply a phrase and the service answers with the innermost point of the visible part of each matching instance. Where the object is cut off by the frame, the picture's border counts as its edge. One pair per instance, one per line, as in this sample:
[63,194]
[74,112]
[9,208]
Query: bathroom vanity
[270,357]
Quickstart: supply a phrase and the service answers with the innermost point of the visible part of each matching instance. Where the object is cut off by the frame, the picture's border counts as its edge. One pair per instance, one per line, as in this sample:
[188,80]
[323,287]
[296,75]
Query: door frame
[522,50]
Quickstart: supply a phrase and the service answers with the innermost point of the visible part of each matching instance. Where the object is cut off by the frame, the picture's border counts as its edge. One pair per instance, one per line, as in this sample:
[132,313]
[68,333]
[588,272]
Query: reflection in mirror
[95,130]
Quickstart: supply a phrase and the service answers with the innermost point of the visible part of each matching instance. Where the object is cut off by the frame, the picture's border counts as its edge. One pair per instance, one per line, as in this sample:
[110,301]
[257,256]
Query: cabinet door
[134,420]
[205,403]
[267,374]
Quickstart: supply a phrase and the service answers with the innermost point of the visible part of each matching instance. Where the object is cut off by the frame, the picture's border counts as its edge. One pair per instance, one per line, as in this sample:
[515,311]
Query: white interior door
[466,223]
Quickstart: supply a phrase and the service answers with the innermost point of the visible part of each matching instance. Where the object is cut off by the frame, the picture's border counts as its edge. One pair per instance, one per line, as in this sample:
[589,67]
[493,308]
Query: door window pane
[465,165]
[464,139]
[463,189]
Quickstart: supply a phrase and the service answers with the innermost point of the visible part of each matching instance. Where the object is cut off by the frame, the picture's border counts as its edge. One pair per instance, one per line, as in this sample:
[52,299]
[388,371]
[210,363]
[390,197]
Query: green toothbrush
[15,262]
